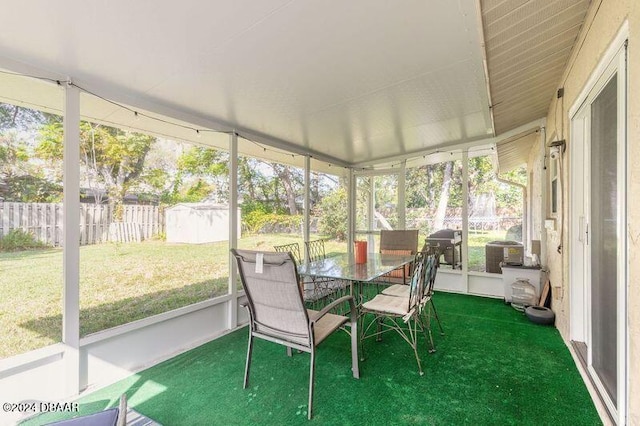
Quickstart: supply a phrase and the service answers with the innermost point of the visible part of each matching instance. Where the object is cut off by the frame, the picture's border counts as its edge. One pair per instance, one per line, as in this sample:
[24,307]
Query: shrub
[258,221]
[18,240]
[332,215]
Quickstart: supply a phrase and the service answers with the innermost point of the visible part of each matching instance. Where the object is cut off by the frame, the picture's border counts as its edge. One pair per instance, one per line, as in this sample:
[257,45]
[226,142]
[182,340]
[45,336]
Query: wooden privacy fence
[97,225]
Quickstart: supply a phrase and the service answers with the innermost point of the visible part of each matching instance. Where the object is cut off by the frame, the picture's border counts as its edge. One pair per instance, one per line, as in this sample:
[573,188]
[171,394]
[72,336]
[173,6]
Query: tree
[22,179]
[286,176]
[112,158]
[482,180]
[19,118]
[203,174]
[332,214]
[443,202]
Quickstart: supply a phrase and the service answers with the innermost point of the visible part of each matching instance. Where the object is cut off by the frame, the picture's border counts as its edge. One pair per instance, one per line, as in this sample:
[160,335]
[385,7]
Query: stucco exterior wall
[603,21]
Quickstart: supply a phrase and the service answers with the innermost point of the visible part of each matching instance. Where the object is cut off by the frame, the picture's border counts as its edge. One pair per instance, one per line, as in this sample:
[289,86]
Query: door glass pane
[329,211]
[604,242]
[386,202]
[434,204]
[376,208]
[495,211]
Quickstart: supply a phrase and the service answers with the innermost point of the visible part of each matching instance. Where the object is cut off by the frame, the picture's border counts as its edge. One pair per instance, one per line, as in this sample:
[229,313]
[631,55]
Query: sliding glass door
[598,249]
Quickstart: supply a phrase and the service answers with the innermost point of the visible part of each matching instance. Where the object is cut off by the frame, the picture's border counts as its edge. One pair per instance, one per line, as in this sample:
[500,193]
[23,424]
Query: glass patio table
[344,267]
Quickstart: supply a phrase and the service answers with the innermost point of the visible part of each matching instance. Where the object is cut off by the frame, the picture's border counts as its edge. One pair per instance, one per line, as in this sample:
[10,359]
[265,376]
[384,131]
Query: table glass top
[343,266]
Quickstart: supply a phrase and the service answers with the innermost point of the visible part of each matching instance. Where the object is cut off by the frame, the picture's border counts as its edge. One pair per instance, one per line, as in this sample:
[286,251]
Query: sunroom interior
[412,115]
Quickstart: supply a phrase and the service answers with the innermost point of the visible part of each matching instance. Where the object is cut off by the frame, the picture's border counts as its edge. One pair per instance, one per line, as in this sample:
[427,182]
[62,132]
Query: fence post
[5,219]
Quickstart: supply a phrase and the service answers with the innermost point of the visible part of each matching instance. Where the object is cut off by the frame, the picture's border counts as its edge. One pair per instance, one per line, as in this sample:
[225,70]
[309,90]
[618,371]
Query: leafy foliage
[112,158]
[19,118]
[20,178]
[31,189]
[332,215]
[258,221]
[116,162]
[19,240]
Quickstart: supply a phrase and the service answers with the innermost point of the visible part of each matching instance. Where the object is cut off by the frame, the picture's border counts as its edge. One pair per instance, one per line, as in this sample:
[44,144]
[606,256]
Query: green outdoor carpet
[492,367]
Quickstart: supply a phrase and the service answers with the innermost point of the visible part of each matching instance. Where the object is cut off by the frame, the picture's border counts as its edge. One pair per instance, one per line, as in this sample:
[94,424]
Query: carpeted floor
[492,367]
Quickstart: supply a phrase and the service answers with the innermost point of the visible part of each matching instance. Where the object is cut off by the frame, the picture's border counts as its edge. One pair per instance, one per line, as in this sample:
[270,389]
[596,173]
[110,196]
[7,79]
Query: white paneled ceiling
[514,151]
[528,43]
[346,81]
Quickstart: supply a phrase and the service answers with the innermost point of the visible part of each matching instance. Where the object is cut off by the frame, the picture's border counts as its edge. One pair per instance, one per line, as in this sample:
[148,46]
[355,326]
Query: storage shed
[198,223]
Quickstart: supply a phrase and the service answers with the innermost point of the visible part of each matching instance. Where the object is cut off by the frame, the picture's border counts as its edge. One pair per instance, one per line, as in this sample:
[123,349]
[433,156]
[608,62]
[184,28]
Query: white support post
[371,214]
[307,200]
[351,203]
[402,204]
[465,220]
[71,240]
[232,320]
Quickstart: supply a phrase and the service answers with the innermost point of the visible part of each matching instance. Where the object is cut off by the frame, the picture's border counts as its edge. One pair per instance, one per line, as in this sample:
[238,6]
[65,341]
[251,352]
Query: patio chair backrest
[399,240]
[417,281]
[293,248]
[276,307]
[403,242]
[432,263]
[315,250]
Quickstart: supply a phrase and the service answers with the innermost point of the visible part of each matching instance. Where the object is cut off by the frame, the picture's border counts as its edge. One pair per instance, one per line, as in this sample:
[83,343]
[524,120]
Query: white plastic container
[524,294]
[510,274]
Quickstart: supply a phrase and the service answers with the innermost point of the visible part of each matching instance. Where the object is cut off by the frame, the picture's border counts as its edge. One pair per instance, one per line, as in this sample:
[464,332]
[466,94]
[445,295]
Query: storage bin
[524,294]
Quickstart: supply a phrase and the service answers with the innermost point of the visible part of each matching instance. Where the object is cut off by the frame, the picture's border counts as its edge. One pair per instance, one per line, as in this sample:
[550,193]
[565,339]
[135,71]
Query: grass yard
[119,283]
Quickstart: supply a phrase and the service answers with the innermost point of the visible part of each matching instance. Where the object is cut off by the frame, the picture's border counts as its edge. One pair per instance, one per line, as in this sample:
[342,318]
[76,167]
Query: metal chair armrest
[326,309]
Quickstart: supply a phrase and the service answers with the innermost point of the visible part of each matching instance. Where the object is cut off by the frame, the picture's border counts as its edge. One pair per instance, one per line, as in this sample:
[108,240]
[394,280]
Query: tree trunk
[246,177]
[444,197]
[285,177]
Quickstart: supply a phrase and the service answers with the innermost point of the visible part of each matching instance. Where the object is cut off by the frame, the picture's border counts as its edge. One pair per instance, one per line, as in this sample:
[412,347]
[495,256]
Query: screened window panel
[604,242]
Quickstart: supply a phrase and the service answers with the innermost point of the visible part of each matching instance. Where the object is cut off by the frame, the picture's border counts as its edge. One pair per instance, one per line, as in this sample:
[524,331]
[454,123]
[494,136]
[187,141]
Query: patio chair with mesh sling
[277,312]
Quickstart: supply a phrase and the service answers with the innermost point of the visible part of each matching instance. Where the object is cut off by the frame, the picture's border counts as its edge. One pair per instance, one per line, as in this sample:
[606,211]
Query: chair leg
[361,327]
[312,368]
[354,348]
[413,334]
[289,353]
[426,330]
[248,365]
[435,313]
[379,329]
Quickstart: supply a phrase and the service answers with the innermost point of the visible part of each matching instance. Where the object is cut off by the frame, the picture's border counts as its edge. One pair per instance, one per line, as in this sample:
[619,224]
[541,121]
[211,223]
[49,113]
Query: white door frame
[613,62]
[401,207]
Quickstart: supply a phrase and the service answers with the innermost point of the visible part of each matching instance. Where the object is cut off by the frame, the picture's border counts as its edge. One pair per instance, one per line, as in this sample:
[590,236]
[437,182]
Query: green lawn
[119,283]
